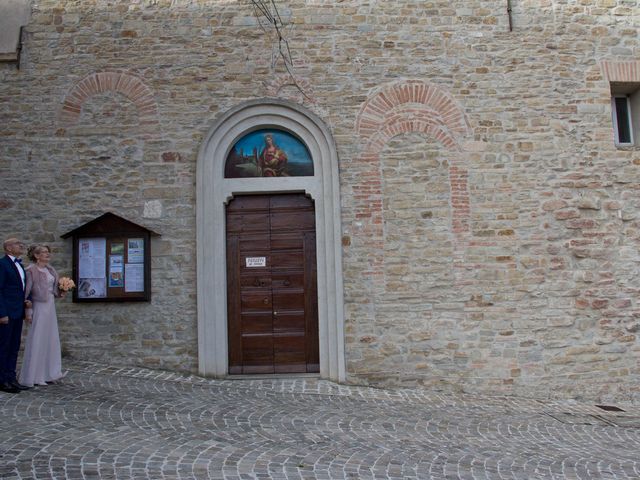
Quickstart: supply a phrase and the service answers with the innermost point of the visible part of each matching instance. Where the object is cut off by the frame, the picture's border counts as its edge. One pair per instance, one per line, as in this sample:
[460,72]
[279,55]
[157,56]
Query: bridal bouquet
[65,284]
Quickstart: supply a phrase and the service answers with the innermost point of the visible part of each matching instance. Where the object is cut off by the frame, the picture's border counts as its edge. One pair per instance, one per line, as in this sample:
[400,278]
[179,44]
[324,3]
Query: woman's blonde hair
[33,249]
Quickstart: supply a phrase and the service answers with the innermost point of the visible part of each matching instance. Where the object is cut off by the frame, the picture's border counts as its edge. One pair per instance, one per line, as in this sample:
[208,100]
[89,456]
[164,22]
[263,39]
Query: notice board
[111,260]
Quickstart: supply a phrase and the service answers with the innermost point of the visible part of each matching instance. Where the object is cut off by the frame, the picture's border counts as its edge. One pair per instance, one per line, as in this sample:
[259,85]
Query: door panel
[260,280]
[289,322]
[233,304]
[255,243]
[289,353]
[287,280]
[272,297]
[257,353]
[256,323]
[286,300]
[291,220]
[257,301]
[286,241]
[289,201]
[287,259]
[311,303]
[249,222]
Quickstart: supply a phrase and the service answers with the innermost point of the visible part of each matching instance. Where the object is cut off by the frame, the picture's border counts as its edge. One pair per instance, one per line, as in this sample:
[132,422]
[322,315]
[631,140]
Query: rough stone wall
[489,223]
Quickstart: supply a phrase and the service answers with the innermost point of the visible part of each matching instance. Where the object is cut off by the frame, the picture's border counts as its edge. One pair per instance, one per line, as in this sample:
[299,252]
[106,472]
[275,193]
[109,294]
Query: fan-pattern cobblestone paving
[106,422]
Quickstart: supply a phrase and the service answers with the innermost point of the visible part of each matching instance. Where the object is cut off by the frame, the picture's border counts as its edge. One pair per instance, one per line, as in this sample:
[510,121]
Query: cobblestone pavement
[105,422]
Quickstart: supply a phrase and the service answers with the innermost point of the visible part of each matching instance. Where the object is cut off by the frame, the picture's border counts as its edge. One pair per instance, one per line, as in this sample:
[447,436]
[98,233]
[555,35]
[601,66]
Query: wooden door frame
[213,192]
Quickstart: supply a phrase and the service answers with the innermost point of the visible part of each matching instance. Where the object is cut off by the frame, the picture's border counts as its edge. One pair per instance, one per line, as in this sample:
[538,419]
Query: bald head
[13,246]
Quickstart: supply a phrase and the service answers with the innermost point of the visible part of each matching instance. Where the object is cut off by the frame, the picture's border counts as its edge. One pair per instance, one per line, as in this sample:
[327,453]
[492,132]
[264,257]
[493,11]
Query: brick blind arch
[410,106]
[132,87]
[621,71]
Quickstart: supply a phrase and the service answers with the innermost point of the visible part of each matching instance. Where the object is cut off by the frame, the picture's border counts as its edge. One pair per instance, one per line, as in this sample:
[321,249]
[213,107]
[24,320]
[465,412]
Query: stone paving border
[125,423]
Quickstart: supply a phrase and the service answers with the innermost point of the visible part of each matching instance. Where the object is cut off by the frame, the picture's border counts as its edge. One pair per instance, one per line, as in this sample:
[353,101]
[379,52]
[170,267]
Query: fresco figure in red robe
[272,160]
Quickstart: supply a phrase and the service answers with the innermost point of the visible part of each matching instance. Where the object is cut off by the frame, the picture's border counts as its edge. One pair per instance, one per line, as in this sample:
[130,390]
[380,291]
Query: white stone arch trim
[213,192]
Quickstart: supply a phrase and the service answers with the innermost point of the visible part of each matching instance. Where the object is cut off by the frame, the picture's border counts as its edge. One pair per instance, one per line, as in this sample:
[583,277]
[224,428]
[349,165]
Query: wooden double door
[272,301]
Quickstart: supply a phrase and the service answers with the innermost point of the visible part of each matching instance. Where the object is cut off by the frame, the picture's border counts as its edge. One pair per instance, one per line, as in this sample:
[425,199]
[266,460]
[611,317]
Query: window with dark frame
[625,113]
[622,120]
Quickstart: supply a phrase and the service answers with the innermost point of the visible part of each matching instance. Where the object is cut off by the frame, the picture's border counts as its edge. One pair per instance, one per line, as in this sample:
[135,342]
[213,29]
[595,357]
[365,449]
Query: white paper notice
[92,288]
[92,257]
[134,277]
[135,250]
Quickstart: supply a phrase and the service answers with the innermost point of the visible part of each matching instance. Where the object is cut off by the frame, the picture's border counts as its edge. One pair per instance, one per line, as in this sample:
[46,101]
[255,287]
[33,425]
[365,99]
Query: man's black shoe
[19,386]
[8,388]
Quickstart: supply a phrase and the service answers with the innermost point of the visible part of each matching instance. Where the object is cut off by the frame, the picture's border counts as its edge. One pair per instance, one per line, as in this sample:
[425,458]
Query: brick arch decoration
[126,84]
[621,71]
[410,106]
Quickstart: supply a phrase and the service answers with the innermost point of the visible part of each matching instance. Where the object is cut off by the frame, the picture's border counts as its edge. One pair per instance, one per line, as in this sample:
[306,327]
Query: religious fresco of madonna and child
[268,153]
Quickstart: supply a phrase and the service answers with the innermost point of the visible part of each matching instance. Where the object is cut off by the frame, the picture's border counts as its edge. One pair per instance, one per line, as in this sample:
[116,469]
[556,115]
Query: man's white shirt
[19,267]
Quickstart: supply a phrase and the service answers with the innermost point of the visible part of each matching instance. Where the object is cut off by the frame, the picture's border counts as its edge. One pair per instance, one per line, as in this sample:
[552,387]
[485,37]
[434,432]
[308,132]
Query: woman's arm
[28,286]
[56,287]
[28,283]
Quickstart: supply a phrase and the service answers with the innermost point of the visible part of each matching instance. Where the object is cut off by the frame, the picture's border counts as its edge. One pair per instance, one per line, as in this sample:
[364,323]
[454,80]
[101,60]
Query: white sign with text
[255,262]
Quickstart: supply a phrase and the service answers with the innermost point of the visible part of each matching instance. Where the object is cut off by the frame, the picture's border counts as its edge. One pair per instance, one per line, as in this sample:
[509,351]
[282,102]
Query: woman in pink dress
[42,362]
[272,160]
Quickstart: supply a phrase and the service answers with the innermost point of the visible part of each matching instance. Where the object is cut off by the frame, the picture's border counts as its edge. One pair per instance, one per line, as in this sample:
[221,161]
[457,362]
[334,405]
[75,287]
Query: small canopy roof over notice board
[111,260]
[14,15]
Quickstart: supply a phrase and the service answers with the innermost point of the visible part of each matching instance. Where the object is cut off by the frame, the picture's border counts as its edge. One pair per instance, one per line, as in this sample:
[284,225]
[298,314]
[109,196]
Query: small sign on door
[252,262]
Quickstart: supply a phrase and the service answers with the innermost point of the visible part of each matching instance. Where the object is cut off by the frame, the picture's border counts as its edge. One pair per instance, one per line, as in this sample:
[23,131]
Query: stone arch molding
[128,85]
[213,192]
[408,106]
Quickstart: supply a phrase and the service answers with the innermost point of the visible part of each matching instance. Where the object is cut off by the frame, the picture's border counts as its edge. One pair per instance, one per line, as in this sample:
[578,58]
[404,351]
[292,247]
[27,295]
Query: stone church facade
[476,215]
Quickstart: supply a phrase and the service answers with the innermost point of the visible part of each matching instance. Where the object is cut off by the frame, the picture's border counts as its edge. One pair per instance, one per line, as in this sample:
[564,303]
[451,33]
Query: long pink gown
[42,358]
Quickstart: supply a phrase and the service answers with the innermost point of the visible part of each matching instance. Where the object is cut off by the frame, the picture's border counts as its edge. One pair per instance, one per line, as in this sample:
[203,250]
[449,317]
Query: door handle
[275,314]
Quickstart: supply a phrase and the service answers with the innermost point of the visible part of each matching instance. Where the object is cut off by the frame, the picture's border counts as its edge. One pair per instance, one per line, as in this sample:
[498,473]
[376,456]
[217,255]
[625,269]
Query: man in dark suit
[12,305]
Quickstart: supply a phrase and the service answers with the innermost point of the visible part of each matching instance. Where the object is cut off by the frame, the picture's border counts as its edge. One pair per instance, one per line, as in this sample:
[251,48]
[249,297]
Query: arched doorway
[214,192]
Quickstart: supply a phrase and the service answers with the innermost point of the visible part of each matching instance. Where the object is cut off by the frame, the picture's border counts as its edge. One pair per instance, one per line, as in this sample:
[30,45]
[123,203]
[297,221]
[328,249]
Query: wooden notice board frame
[111,261]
